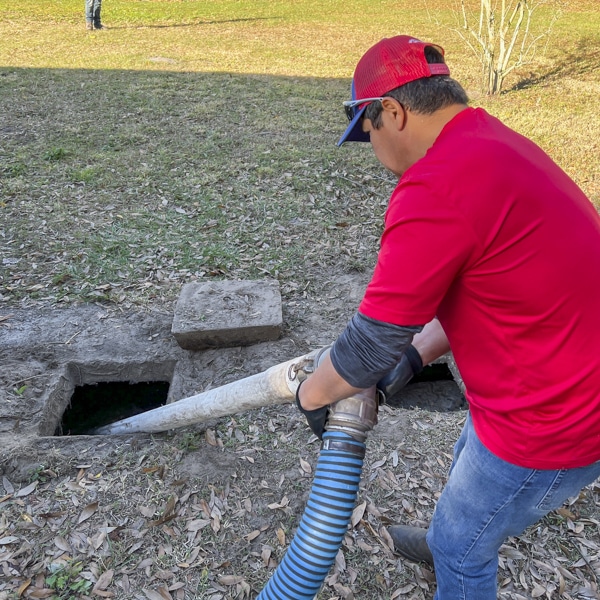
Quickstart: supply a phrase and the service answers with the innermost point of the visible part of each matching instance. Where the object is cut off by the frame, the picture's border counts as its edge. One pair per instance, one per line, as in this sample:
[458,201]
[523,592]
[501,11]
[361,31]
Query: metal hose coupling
[307,365]
[355,415]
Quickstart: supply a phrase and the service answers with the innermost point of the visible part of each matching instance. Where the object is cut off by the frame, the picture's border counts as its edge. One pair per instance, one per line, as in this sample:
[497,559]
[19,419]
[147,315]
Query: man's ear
[395,111]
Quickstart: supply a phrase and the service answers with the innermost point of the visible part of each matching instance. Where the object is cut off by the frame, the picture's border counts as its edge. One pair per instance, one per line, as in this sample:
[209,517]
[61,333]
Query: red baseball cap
[390,63]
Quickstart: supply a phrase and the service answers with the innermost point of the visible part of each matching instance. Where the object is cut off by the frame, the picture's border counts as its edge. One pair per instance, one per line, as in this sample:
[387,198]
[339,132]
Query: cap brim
[354,132]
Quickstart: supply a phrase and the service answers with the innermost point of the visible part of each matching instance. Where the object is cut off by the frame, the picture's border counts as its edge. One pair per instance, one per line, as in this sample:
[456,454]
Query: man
[92,14]
[492,251]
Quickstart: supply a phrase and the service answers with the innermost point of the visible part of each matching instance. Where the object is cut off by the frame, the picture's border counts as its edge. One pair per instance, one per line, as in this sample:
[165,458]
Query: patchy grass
[175,177]
[120,180]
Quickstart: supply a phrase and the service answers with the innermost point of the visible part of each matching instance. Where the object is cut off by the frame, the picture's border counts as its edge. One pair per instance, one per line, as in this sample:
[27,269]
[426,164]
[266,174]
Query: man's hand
[409,365]
[316,418]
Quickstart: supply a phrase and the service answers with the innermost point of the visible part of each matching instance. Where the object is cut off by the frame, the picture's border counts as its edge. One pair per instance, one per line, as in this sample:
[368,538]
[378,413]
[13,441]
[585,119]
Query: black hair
[425,95]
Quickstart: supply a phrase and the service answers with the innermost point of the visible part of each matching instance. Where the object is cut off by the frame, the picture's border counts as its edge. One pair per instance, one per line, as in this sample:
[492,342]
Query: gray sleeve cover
[368,349]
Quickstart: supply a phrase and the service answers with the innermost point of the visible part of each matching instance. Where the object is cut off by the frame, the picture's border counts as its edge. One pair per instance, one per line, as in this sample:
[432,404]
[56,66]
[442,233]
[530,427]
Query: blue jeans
[92,10]
[486,500]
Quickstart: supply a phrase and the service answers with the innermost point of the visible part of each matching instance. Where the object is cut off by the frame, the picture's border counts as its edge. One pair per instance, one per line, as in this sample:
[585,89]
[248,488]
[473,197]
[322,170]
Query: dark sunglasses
[351,106]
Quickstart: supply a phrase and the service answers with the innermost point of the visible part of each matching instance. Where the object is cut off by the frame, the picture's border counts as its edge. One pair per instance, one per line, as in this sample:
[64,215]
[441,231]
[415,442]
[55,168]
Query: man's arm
[431,342]
[326,385]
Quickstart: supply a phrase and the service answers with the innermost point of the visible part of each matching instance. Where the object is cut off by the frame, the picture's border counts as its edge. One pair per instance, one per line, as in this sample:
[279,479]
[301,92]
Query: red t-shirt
[488,234]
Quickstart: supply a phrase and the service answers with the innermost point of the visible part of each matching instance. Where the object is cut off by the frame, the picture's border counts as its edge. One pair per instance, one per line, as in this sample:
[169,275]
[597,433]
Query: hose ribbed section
[312,552]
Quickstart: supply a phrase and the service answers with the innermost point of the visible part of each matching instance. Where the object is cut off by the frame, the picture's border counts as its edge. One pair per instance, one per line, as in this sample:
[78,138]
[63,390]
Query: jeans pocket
[554,496]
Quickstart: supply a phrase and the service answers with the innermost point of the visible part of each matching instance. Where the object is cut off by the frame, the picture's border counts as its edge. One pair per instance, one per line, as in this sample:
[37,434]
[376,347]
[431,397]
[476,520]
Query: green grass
[196,139]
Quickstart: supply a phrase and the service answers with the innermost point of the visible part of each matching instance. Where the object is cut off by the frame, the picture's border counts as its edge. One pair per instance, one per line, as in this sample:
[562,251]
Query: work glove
[316,418]
[408,366]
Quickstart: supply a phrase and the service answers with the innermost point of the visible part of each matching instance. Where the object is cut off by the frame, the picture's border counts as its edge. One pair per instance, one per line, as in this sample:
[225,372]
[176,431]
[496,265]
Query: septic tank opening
[434,372]
[95,405]
[433,389]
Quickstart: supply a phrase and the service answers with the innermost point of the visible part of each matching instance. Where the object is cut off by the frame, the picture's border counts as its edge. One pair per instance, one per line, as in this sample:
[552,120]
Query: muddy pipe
[276,385]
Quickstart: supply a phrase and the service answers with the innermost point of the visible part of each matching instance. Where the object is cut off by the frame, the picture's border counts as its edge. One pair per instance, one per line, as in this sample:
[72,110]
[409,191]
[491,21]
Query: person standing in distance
[92,14]
[491,251]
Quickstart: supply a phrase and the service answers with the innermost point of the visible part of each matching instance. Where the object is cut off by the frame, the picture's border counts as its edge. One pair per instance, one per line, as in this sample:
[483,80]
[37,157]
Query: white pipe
[276,385]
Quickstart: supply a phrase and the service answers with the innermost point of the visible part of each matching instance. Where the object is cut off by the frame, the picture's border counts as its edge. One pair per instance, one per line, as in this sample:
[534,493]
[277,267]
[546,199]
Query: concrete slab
[227,313]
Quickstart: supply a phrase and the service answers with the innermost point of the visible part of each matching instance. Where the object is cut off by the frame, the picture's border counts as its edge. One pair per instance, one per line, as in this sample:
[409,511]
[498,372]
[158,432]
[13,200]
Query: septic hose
[325,521]
[301,573]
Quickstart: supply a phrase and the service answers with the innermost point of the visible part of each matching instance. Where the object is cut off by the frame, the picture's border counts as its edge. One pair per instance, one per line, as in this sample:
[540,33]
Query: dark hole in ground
[434,389]
[103,403]
[435,372]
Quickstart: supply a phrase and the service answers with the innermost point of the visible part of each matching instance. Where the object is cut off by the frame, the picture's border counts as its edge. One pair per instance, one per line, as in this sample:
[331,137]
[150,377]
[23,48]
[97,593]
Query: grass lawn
[197,139]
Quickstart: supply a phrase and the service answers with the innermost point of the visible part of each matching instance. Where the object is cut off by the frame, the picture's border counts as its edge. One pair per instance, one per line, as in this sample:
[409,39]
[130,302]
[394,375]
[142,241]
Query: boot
[89,25]
[410,543]
[97,20]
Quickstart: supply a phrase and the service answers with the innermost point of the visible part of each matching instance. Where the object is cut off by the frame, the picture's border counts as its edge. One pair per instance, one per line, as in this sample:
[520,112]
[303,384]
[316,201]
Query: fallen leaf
[282,504]
[145,563]
[252,535]
[210,437]
[147,511]
[87,512]
[170,506]
[8,486]
[164,574]
[215,523]
[197,524]
[153,595]
[345,592]
[281,536]
[62,544]
[23,587]
[103,593]
[305,466]
[357,513]
[104,580]
[402,591]
[157,469]
[164,592]
[176,586]
[387,538]
[340,561]
[40,593]
[230,579]
[53,515]
[9,539]
[26,490]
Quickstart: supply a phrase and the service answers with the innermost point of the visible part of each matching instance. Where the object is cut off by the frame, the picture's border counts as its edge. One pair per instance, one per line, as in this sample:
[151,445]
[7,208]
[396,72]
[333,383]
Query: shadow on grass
[123,185]
[201,174]
[197,23]
[582,60]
